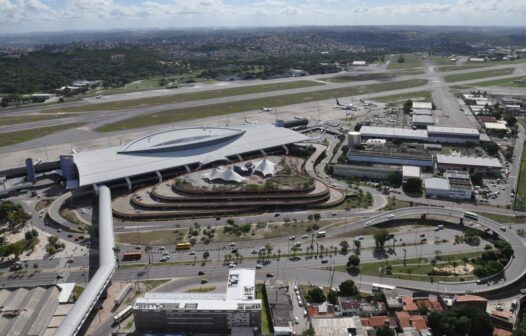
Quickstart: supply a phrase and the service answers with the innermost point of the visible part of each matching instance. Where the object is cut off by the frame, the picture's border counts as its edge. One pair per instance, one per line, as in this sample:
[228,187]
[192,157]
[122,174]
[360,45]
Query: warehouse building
[433,134]
[410,172]
[423,105]
[471,164]
[392,155]
[420,120]
[373,172]
[203,313]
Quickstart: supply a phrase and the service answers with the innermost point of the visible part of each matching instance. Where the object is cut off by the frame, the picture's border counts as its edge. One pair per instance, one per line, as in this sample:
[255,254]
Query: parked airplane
[343,106]
[266,109]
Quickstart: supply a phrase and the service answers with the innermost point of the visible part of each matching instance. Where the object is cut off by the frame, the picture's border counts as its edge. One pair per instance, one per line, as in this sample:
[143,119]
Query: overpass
[76,317]
[513,272]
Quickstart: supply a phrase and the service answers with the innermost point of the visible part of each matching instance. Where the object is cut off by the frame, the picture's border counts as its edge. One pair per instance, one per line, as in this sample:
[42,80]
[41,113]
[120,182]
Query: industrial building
[454,185]
[471,164]
[410,172]
[421,120]
[433,134]
[186,149]
[373,172]
[391,155]
[204,313]
[423,105]
[27,311]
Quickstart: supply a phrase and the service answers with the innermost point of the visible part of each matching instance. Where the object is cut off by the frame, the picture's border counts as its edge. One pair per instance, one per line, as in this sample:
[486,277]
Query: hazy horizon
[33,16]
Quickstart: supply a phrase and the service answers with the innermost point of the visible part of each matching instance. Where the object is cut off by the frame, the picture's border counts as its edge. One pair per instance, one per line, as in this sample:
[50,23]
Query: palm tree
[147,250]
[35,267]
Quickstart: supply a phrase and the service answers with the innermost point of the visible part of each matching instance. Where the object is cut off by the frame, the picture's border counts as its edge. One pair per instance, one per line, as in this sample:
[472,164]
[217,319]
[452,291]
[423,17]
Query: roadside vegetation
[181,114]
[266,322]
[404,61]
[520,198]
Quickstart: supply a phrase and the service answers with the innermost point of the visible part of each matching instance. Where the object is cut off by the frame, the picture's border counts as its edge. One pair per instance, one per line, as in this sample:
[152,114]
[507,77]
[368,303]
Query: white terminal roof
[393,132]
[240,295]
[176,148]
[411,171]
[452,130]
[495,126]
[422,105]
[228,175]
[265,167]
[468,161]
[436,183]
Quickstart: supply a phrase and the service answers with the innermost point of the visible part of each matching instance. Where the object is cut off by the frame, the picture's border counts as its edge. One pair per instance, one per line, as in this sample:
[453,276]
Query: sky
[56,15]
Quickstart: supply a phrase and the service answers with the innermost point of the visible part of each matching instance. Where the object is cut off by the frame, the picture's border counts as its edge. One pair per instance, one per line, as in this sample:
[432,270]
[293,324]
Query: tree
[408,104]
[476,179]
[491,148]
[385,331]
[309,332]
[268,248]
[344,245]
[316,217]
[413,185]
[394,179]
[348,288]
[35,267]
[380,237]
[353,261]
[3,241]
[357,127]
[316,295]
[357,244]
[332,297]
[401,59]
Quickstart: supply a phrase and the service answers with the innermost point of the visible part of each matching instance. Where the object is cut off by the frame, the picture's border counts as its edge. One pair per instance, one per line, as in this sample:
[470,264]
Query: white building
[202,312]
[410,171]
[423,105]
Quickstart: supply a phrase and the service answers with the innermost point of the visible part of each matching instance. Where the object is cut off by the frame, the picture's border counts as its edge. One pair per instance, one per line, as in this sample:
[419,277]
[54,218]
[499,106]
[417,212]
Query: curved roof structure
[180,139]
[177,148]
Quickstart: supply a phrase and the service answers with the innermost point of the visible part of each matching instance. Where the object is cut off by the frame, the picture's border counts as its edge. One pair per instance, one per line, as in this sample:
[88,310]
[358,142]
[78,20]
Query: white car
[523,291]
[259,266]
[231,244]
[191,253]
[305,236]
[360,237]
[292,237]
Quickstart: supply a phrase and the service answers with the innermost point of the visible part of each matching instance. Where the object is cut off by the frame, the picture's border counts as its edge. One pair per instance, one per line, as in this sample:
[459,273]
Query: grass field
[13,120]
[479,74]
[417,96]
[184,97]
[508,82]
[502,218]
[181,114]
[372,76]
[440,60]
[201,290]
[411,61]
[265,314]
[479,65]
[11,138]
[415,270]
[520,199]
[153,238]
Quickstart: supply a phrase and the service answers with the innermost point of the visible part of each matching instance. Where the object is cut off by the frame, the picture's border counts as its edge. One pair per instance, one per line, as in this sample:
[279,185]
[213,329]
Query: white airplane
[266,109]
[343,106]
[250,121]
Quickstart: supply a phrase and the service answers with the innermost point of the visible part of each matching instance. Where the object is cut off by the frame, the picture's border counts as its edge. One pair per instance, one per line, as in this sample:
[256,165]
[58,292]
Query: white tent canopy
[265,167]
[227,175]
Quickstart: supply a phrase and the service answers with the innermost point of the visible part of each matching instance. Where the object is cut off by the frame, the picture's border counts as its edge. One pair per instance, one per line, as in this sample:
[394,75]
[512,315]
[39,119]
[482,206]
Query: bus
[122,315]
[471,215]
[321,234]
[183,246]
[381,287]
[132,255]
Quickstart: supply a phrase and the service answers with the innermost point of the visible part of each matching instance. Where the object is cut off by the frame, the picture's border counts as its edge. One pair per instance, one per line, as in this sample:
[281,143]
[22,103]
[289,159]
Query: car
[270,275]
[191,253]
[254,251]
[163,259]
[136,247]
[296,288]
[360,238]
[231,244]
[203,281]
[298,244]
[523,291]
[59,230]
[502,228]
[324,261]
[70,260]
[233,251]
[479,282]
[276,215]
[162,248]
[292,237]
[423,240]
[499,307]
[334,213]
[70,235]
[390,216]
[218,218]
[368,223]
[60,276]
[259,266]
[422,235]
[232,265]
[296,320]
[166,253]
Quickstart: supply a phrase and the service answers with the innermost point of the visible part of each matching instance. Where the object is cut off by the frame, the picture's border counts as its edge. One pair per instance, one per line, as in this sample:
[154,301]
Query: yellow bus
[183,246]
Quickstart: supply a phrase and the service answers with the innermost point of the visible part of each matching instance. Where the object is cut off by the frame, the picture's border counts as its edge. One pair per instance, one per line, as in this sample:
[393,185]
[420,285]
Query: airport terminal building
[207,313]
[179,150]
